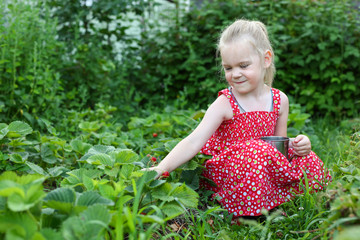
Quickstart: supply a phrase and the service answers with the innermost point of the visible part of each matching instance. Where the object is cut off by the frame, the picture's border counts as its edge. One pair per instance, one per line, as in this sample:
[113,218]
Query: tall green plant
[29,83]
[92,31]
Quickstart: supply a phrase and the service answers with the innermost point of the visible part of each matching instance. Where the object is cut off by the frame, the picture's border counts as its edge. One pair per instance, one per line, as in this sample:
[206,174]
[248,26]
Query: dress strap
[226,92]
[272,100]
[276,100]
[236,101]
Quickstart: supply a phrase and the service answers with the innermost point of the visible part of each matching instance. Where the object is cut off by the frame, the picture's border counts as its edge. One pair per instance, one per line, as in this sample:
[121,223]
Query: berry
[165,174]
[155,134]
[153,159]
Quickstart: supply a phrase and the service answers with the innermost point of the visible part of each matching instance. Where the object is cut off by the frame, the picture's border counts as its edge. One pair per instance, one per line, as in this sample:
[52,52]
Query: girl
[250,174]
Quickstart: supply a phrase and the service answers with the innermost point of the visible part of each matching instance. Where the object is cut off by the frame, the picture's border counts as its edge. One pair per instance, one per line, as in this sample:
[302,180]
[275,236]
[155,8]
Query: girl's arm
[186,149]
[301,144]
[281,123]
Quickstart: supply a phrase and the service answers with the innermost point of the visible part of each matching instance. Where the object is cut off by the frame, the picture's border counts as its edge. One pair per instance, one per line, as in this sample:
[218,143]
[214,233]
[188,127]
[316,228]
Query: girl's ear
[268,58]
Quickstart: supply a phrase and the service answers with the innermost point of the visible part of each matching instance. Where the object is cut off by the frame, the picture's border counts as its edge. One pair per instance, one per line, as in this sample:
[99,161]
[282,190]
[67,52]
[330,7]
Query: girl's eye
[227,68]
[244,66]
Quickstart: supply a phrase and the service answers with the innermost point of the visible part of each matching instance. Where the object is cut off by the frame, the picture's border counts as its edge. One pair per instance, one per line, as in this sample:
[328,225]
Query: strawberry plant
[78,176]
[51,182]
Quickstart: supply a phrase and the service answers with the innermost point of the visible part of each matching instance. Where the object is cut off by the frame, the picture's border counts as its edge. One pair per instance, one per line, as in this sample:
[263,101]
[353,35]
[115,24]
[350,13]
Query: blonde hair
[256,34]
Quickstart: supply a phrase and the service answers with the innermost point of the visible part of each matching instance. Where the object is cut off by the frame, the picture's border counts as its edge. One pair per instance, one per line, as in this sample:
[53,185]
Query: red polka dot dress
[250,174]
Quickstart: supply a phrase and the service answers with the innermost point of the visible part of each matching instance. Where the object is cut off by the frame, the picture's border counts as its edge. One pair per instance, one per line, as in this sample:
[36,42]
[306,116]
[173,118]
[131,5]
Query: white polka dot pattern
[250,174]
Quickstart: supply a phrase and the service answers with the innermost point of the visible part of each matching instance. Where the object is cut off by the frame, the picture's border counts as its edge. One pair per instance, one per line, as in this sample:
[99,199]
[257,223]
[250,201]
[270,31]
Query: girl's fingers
[159,172]
[302,151]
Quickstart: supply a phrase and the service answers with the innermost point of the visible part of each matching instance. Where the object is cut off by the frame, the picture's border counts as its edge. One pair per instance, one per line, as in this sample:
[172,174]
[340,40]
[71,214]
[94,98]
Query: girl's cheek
[228,76]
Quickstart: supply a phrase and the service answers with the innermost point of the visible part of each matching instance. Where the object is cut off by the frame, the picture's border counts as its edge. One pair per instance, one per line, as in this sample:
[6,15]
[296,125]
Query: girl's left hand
[301,145]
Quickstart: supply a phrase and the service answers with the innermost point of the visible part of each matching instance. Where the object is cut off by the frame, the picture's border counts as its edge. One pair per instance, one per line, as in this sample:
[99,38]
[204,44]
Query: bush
[66,61]
[316,44]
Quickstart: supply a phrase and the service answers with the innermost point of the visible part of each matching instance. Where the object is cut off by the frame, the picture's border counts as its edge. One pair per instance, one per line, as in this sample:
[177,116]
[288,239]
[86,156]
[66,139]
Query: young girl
[250,174]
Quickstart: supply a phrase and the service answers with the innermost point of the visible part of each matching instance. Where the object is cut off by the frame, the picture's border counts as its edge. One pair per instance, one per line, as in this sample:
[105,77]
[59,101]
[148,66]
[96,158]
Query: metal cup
[280,143]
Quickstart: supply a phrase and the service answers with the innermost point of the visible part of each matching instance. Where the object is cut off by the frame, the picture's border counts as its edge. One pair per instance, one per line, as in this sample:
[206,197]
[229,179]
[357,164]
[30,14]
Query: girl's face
[244,70]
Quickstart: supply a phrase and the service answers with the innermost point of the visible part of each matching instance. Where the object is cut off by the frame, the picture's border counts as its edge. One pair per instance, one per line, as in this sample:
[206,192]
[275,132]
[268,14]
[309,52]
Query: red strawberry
[165,174]
[155,134]
[153,159]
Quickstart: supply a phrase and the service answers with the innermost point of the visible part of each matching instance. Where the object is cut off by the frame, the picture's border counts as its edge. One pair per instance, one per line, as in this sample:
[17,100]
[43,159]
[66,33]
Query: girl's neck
[258,100]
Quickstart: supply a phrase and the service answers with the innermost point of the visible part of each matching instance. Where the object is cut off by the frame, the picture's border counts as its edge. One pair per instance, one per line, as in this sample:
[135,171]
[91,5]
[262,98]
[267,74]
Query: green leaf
[198,115]
[172,209]
[80,147]
[33,194]
[74,228]
[126,171]
[112,172]
[24,179]
[62,199]
[51,234]
[108,191]
[49,126]
[17,224]
[190,165]
[124,156]
[136,122]
[88,225]
[322,45]
[101,159]
[156,183]
[98,213]
[75,177]
[22,192]
[56,171]
[8,187]
[351,50]
[19,129]
[36,168]
[90,198]
[90,126]
[186,196]
[191,179]
[47,154]
[3,130]
[88,182]
[16,158]
[96,150]
[348,233]
[169,192]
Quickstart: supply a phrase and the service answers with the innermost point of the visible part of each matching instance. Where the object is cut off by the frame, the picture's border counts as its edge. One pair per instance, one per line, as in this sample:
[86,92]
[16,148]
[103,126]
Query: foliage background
[61,55]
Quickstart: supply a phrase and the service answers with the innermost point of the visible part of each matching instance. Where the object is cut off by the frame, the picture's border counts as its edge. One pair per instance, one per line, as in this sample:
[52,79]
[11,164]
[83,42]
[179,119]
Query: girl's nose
[237,73]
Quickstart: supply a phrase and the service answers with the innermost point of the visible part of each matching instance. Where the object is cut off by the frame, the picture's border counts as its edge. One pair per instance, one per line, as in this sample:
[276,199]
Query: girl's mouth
[239,82]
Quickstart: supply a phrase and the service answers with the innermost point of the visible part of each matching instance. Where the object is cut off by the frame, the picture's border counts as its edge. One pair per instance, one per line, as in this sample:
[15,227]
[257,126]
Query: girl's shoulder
[222,105]
[284,98]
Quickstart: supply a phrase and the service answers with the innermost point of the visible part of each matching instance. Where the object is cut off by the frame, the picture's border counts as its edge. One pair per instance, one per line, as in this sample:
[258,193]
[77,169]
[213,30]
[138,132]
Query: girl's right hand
[159,171]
